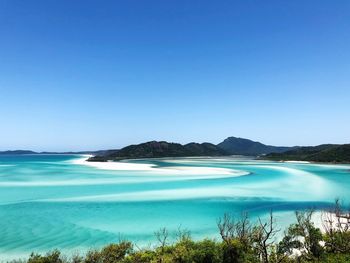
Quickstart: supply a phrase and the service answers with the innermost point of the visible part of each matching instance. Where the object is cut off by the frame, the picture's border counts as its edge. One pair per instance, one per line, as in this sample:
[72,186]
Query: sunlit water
[49,201]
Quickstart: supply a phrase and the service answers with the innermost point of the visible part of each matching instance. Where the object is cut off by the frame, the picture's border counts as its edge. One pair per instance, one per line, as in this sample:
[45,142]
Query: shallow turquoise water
[49,202]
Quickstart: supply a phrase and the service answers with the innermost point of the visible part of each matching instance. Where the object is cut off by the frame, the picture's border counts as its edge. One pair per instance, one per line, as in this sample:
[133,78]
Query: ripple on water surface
[49,202]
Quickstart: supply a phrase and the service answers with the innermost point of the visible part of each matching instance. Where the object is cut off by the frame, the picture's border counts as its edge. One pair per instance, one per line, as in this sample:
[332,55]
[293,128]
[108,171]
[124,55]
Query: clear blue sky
[77,75]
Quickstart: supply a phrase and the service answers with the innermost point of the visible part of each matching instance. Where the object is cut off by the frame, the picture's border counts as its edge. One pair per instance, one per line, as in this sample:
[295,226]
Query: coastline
[171,170]
[295,161]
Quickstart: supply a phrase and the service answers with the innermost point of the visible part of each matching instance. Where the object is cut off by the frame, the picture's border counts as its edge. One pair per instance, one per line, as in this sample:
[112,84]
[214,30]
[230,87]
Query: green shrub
[52,257]
[115,252]
[92,256]
[207,251]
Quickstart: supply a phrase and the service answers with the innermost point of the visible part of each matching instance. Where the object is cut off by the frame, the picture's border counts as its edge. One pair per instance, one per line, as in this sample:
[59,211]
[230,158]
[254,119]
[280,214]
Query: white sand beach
[173,170]
[296,162]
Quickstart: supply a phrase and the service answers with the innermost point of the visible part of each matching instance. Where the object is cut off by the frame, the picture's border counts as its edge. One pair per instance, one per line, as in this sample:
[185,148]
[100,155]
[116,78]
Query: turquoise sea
[54,201]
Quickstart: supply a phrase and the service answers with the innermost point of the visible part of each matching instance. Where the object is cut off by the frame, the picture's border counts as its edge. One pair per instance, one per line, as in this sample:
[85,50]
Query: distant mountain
[230,146]
[204,149]
[334,153]
[155,149]
[241,146]
[16,152]
[80,152]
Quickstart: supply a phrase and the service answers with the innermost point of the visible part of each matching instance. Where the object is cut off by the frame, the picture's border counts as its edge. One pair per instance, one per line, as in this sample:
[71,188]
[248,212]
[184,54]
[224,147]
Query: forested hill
[323,153]
[242,146]
[336,153]
[155,149]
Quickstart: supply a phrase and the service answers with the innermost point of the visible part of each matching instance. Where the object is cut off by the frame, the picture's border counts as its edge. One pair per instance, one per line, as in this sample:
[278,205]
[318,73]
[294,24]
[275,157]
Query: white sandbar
[296,162]
[173,170]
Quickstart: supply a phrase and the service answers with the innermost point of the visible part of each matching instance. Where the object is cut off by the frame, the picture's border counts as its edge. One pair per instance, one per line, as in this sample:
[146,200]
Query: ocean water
[54,201]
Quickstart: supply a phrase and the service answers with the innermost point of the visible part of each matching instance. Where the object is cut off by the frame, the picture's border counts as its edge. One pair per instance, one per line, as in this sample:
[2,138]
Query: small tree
[93,256]
[236,236]
[303,236]
[230,229]
[182,234]
[52,257]
[336,224]
[76,258]
[162,236]
[115,252]
[263,236]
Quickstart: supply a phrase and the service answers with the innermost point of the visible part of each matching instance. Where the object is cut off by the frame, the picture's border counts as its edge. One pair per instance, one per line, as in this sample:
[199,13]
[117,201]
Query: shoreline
[170,170]
[303,162]
[295,161]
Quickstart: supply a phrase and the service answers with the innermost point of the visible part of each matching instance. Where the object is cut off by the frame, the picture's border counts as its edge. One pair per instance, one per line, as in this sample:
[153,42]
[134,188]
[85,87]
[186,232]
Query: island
[327,153]
[159,149]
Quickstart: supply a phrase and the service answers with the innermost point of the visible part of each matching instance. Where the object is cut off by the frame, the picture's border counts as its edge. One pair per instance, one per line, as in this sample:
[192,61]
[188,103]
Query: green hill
[155,149]
[241,146]
[323,153]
